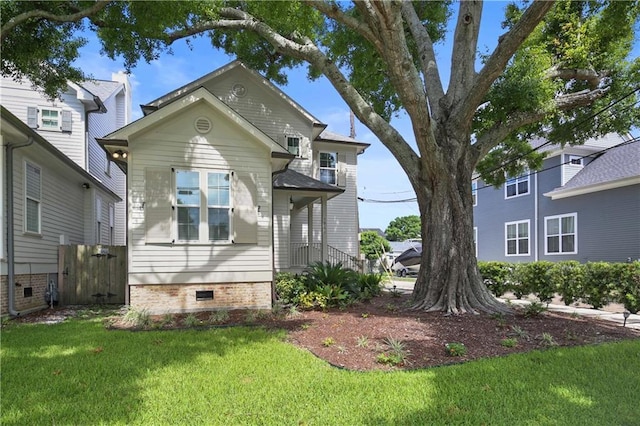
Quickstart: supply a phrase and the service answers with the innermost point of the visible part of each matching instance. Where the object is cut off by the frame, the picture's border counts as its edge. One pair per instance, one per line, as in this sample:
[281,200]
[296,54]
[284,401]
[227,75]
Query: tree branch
[592,77]
[497,62]
[499,131]
[43,14]
[433,84]
[465,42]
[334,12]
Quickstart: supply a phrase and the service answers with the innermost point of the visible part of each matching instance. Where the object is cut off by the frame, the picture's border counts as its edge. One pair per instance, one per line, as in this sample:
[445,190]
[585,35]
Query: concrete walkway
[633,321]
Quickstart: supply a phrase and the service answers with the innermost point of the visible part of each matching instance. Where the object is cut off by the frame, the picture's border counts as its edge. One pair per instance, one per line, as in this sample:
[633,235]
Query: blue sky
[379,175]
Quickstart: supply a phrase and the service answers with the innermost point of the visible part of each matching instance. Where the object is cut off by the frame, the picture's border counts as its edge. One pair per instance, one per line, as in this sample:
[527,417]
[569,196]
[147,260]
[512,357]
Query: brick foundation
[165,298]
[36,282]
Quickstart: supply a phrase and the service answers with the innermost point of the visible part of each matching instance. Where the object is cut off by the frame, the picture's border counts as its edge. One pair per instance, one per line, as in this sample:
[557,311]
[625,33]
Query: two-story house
[59,186]
[230,181]
[583,205]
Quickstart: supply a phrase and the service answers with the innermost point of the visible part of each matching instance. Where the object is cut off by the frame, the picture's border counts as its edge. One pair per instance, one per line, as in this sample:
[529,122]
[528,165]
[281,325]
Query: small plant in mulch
[455,349]
[534,309]
[509,342]
[395,352]
[328,341]
[362,342]
[546,339]
[191,320]
[137,318]
[519,332]
[500,318]
[218,317]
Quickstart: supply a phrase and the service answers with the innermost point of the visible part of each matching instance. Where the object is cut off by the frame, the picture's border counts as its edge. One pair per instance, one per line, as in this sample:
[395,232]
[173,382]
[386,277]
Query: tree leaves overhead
[403,228]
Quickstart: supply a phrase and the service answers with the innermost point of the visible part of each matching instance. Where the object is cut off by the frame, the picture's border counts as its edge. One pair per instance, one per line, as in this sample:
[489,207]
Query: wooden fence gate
[92,274]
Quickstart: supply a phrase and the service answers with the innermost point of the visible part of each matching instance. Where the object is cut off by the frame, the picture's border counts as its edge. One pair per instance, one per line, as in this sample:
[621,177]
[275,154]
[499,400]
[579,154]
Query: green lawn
[79,373]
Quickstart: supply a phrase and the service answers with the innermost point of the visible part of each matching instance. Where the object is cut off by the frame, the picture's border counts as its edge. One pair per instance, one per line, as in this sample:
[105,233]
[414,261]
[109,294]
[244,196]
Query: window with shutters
[49,118]
[328,167]
[33,198]
[200,206]
[474,192]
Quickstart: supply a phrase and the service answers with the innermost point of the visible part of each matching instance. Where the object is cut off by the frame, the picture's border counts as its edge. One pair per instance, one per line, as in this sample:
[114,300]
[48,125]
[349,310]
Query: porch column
[325,248]
[310,251]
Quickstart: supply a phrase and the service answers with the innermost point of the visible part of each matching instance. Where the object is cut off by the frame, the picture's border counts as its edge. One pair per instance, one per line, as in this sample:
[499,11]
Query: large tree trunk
[449,280]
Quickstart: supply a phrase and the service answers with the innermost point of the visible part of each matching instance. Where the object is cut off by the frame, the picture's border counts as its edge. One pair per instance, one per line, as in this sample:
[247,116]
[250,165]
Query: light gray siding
[176,143]
[18,96]
[281,229]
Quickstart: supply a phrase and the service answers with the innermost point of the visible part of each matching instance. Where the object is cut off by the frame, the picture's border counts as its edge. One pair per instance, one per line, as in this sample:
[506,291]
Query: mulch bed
[354,337]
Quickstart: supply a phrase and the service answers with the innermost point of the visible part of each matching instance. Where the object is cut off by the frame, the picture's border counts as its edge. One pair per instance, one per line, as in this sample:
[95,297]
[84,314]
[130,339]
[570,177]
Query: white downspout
[535,217]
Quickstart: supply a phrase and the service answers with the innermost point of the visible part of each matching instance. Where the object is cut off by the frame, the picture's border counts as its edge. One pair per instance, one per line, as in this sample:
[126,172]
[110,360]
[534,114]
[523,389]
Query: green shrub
[568,278]
[509,342]
[289,287]
[520,280]
[312,300]
[599,284]
[455,349]
[536,278]
[370,285]
[191,320]
[629,285]
[334,295]
[496,276]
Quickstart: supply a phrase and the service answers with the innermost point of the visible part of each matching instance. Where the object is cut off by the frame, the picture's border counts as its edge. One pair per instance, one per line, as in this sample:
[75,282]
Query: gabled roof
[161,101]
[196,96]
[617,167]
[14,122]
[102,88]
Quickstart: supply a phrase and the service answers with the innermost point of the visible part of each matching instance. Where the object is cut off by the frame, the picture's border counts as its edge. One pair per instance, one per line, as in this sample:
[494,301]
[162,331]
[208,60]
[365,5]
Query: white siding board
[281,225]
[175,143]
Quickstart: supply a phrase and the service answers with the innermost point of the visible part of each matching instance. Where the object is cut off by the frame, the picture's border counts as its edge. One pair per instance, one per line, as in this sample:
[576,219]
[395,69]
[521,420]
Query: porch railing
[302,255]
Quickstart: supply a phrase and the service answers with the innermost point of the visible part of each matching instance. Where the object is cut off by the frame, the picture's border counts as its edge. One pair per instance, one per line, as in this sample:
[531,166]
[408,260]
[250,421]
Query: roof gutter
[11,271]
[100,108]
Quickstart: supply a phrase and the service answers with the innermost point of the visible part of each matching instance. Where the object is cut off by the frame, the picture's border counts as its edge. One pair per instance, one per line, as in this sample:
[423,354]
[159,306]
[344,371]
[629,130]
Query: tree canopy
[403,228]
[373,245]
[561,71]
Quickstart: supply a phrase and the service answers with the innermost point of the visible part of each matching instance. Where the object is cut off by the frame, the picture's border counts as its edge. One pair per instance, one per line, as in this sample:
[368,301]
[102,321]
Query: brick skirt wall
[29,292]
[165,298]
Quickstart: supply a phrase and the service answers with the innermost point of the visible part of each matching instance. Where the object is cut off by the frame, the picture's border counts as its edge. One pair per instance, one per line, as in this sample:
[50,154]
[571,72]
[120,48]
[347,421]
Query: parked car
[402,271]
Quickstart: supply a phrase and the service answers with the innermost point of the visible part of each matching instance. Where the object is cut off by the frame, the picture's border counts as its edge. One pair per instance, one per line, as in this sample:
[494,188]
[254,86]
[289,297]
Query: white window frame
[289,138]
[111,223]
[334,169]
[517,238]
[517,181]
[572,158]
[474,192]
[98,220]
[37,200]
[41,113]
[561,234]
[475,239]
[204,206]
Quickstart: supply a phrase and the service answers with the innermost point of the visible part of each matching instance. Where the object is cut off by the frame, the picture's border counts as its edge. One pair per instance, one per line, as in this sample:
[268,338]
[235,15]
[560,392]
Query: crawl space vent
[203,125]
[204,295]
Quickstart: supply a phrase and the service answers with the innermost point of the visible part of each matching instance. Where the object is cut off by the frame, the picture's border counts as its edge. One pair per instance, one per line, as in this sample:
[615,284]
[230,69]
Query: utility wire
[575,126]
[595,155]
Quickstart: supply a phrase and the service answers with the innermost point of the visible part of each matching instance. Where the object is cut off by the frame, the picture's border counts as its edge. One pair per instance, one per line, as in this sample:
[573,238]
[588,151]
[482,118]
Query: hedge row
[594,283]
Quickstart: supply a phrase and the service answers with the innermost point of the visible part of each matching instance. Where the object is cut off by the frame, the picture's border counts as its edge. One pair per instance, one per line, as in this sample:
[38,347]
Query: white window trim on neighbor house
[43,124]
[560,234]
[32,199]
[62,123]
[515,182]
[475,239]
[328,169]
[205,203]
[293,145]
[98,220]
[517,238]
[474,192]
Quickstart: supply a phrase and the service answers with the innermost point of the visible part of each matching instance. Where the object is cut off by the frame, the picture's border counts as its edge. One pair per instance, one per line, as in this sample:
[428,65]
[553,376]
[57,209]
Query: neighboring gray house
[583,205]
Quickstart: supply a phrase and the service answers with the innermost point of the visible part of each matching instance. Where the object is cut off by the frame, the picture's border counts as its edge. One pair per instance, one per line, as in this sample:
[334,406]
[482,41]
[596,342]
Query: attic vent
[239,90]
[203,125]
